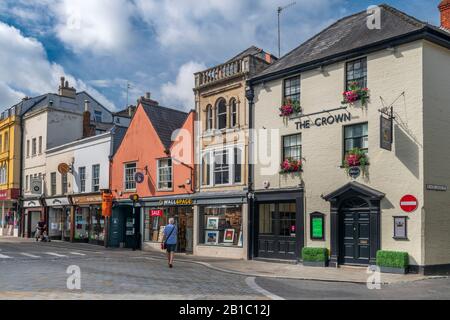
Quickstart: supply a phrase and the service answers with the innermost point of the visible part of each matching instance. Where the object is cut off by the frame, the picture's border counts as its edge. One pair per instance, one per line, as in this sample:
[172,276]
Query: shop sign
[139,177]
[31,204]
[386,130]
[324,121]
[354,172]
[4,195]
[89,199]
[436,187]
[409,203]
[176,202]
[57,202]
[156,213]
[36,185]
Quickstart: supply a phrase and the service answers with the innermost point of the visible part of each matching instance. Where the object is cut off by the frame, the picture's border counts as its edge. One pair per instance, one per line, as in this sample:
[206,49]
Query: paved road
[39,271]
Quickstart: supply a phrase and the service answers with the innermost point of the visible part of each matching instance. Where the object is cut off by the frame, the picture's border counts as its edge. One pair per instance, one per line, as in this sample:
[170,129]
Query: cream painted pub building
[222,151]
[314,199]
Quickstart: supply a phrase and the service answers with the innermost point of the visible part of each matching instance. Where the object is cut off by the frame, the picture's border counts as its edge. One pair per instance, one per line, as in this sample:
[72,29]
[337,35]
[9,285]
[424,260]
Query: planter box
[393,270]
[322,264]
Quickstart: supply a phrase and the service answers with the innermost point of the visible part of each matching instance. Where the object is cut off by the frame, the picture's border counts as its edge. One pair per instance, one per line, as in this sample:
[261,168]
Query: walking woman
[170,240]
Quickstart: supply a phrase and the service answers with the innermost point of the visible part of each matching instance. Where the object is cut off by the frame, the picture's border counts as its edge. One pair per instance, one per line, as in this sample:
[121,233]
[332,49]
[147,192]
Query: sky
[154,45]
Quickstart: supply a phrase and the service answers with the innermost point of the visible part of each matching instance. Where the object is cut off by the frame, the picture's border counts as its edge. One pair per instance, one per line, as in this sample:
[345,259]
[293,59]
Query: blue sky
[156,45]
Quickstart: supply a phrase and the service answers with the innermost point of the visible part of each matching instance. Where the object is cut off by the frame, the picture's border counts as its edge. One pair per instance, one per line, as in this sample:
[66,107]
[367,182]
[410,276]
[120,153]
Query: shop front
[58,218]
[156,215]
[33,212]
[278,229]
[221,221]
[125,225]
[9,225]
[88,222]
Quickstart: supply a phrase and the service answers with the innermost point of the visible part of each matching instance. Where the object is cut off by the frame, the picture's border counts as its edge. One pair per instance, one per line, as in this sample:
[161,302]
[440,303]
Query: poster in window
[212,223]
[228,236]
[212,237]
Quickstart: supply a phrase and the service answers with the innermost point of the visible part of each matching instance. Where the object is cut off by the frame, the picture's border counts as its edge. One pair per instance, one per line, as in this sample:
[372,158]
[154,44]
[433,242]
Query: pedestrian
[170,240]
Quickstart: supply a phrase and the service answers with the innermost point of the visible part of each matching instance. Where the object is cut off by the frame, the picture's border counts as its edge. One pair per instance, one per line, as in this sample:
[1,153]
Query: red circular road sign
[409,203]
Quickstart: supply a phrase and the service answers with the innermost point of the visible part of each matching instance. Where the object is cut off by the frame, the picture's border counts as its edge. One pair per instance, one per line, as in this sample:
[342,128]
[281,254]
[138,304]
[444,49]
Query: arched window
[3,174]
[221,114]
[209,117]
[234,113]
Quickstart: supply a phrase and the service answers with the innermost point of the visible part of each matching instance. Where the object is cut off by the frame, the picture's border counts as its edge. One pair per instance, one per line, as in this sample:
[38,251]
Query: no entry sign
[409,203]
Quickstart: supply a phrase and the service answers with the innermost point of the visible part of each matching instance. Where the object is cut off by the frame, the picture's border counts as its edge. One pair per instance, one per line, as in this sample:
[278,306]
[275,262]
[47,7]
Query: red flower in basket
[353,160]
[286,110]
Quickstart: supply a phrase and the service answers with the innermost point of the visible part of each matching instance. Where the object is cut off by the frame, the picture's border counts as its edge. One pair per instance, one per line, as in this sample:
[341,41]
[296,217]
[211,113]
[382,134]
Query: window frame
[82,181]
[53,186]
[346,80]
[283,155]
[28,148]
[344,139]
[209,117]
[284,97]
[95,183]
[64,183]
[223,114]
[210,154]
[158,174]
[133,182]
[234,113]
[40,145]
[33,147]
[96,114]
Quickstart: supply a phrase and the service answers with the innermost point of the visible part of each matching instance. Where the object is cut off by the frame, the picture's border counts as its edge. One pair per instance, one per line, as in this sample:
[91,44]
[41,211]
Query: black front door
[277,230]
[355,236]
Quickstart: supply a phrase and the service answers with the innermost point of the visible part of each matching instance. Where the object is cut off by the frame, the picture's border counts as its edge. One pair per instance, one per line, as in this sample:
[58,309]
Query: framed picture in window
[212,237]
[212,223]
[228,236]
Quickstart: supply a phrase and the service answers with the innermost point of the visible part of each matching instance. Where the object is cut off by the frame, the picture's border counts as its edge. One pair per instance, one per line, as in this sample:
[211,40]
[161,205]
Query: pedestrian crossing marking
[29,255]
[77,254]
[2,256]
[55,254]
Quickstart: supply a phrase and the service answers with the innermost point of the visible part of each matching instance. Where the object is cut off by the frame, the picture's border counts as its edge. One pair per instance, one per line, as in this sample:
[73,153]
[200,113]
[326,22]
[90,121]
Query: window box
[290,165]
[356,158]
[354,94]
[290,109]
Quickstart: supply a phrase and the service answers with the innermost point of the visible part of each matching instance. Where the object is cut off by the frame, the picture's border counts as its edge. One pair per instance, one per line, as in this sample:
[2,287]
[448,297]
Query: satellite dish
[63,168]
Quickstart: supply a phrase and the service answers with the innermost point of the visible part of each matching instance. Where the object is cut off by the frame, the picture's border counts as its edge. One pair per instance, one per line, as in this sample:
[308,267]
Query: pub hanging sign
[386,129]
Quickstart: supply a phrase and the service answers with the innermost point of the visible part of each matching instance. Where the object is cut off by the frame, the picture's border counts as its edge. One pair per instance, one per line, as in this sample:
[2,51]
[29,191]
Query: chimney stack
[87,128]
[148,95]
[147,98]
[65,90]
[444,8]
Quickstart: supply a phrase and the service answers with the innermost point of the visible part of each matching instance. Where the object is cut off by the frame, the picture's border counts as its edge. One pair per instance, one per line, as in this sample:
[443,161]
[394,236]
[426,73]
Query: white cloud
[180,92]
[27,71]
[99,26]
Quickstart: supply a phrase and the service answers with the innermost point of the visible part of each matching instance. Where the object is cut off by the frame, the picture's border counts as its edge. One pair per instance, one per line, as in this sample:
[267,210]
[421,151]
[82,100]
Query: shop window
[82,220]
[221,114]
[221,167]
[165,174]
[95,178]
[221,225]
[292,89]
[234,113]
[82,174]
[53,183]
[209,117]
[64,183]
[130,171]
[287,219]
[266,217]
[356,136]
[356,71]
[292,147]
[97,225]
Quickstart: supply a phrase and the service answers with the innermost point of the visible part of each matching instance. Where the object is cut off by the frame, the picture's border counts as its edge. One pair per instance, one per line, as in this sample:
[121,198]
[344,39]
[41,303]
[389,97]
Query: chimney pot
[444,8]
[67,84]
[62,82]
[86,105]
[148,95]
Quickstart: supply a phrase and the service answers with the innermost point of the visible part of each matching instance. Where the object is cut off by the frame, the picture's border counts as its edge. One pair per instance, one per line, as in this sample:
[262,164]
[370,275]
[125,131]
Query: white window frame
[95,180]
[53,191]
[125,182]
[158,174]
[98,113]
[231,170]
[81,180]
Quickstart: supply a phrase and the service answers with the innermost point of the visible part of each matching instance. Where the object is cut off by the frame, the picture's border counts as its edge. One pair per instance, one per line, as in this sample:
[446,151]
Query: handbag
[164,244]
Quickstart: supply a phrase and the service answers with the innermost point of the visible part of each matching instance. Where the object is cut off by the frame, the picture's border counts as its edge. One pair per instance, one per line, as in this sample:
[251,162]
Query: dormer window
[98,116]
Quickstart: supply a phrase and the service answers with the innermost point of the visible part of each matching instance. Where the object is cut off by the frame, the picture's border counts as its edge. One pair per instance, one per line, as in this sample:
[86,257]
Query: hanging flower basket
[290,108]
[356,158]
[355,94]
[290,165]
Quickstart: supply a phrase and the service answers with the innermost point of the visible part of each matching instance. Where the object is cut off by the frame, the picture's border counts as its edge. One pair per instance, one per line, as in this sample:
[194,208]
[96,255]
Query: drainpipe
[19,200]
[250,95]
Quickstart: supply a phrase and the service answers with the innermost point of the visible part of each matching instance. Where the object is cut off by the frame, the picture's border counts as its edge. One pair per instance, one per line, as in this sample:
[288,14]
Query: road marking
[77,254]
[250,281]
[55,254]
[2,256]
[29,255]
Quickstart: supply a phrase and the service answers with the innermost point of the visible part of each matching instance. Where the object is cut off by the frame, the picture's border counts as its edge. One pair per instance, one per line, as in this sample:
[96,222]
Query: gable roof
[347,34]
[164,120]
[252,51]
[356,187]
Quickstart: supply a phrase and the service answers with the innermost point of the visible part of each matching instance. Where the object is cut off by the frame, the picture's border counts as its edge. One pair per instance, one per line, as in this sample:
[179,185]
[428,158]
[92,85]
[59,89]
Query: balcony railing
[223,71]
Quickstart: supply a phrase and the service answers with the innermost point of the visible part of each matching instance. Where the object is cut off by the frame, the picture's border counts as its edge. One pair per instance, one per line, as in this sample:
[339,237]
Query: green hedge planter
[315,257]
[393,261]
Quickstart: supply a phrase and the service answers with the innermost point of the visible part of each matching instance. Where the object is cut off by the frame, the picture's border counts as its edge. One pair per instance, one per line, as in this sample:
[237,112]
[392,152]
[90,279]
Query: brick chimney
[65,90]
[88,130]
[147,99]
[444,8]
